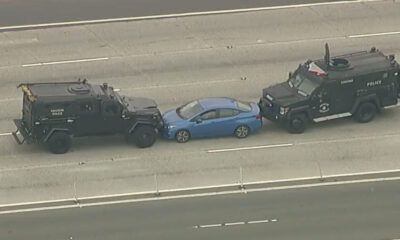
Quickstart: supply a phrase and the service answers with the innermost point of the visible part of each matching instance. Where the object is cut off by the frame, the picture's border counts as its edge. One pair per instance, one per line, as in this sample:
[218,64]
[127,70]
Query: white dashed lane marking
[66,61]
[5,134]
[236,223]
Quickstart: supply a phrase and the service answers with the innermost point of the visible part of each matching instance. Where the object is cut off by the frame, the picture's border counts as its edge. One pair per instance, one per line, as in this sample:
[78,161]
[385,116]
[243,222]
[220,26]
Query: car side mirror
[199,120]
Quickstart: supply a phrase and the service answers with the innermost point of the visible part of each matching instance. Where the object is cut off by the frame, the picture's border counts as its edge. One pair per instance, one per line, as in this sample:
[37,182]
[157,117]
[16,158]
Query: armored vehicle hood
[137,104]
[283,94]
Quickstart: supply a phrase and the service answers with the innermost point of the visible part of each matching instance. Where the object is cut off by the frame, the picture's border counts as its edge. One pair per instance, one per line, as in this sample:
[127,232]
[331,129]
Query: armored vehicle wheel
[182,136]
[365,112]
[144,136]
[297,124]
[59,142]
[242,131]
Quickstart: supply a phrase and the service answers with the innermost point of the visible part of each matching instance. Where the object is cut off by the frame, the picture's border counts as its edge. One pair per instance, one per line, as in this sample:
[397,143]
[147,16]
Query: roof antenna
[327,56]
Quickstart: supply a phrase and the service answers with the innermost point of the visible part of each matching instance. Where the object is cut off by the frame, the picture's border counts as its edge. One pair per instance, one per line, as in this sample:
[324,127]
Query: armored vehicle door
[111,112]
[88,115]
[321,101]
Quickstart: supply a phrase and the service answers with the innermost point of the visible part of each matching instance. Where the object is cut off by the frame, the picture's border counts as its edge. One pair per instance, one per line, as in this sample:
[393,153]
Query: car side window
[208,115]
[227,112]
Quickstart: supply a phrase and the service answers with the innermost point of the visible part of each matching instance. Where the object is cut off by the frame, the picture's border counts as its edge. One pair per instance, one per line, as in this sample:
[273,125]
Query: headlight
[171,126]
[284,110]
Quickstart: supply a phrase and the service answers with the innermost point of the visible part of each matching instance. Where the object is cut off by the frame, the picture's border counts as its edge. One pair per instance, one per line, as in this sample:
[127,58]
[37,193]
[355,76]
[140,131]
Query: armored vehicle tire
[365,112]
[144,136]
[297,123]
[242,131]
[59,142]
[182,136]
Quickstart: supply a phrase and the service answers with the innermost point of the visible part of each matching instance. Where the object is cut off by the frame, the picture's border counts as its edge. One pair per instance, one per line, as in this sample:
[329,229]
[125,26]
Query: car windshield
[304,85]
[190,109]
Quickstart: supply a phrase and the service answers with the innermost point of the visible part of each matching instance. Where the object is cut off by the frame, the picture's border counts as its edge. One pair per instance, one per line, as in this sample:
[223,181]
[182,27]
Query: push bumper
[269,111]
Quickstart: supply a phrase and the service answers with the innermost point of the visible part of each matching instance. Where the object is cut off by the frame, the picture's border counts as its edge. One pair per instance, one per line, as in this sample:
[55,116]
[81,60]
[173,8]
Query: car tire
[242,131]
[182,136]
[365,112]
[297,124]
[143,136]
[59,142]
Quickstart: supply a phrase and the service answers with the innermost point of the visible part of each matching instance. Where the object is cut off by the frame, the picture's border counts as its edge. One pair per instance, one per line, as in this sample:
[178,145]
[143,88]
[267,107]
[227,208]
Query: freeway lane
[366,211]
[21,12]
[175,60]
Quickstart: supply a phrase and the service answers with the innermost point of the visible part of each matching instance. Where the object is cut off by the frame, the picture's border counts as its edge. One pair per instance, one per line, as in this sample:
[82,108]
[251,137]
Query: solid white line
[211,225]
[250,148]
[66,61]
[373,34]
[110,20]
[5,134]
[234,223]
[258,221]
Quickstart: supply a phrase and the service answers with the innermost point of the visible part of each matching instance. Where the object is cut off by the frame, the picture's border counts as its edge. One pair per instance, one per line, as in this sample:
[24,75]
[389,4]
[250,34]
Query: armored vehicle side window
[85,107]
[111,108]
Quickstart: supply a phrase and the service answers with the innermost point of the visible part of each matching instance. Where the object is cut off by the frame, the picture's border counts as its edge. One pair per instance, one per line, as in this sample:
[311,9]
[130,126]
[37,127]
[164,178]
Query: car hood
[171,116]
[283,94]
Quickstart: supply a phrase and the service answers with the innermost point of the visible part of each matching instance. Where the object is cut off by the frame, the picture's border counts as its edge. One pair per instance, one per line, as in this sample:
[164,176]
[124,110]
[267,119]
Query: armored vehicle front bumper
[21,135]
[270,111]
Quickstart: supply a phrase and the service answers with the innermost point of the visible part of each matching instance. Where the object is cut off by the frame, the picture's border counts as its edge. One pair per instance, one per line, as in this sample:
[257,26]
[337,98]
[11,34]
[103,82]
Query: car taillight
[268,104]
[258,116]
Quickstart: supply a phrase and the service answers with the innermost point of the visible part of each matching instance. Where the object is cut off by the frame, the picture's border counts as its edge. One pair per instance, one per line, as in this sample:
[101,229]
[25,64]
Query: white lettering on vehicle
[57,112]
[346,81]
[374,83]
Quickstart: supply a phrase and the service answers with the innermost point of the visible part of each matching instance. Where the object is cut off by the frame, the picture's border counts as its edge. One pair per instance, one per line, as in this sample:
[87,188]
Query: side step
[18,137]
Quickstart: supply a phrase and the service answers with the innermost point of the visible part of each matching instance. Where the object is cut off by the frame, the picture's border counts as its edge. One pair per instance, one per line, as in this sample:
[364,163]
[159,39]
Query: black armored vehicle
[357,84]
[54,113]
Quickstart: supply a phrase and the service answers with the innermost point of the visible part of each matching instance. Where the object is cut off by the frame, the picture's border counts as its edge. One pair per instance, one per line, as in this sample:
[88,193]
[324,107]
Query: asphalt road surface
[22,12]
[368,211]
[174,61]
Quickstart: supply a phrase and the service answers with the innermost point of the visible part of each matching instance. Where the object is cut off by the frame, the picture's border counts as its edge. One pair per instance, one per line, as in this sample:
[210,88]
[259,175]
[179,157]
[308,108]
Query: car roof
[217,102]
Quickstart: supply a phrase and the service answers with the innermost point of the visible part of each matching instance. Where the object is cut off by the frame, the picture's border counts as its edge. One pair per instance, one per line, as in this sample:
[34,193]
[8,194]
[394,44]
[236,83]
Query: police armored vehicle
[357,84]
[54,113]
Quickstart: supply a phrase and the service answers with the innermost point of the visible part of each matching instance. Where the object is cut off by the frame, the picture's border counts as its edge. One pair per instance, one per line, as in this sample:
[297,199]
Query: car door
[226,122]
[204,124]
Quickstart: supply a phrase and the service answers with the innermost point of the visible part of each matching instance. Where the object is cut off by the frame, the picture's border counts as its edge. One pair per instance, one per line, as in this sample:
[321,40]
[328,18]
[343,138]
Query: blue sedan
[211,117]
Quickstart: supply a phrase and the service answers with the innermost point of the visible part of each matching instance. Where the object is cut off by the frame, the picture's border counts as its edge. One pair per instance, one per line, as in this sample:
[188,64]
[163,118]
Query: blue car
[211,117]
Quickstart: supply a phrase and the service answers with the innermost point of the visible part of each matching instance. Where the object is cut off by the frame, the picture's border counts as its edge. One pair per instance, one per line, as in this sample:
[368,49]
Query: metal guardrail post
[157,193]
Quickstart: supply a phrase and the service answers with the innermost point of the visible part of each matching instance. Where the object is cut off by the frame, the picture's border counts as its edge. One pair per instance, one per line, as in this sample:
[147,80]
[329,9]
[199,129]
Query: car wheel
[182,136]
[365,112]
[144,136]
[242,131]
[297,124]
[59,142]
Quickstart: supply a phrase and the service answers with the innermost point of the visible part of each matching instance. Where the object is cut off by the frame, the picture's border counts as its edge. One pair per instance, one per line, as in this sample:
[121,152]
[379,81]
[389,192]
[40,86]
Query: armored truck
[357,84]
[54,113]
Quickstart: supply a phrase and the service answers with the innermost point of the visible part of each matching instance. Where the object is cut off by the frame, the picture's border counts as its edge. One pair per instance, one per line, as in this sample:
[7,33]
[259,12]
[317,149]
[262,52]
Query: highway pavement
[363,211]
[21,12]
[178,59]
